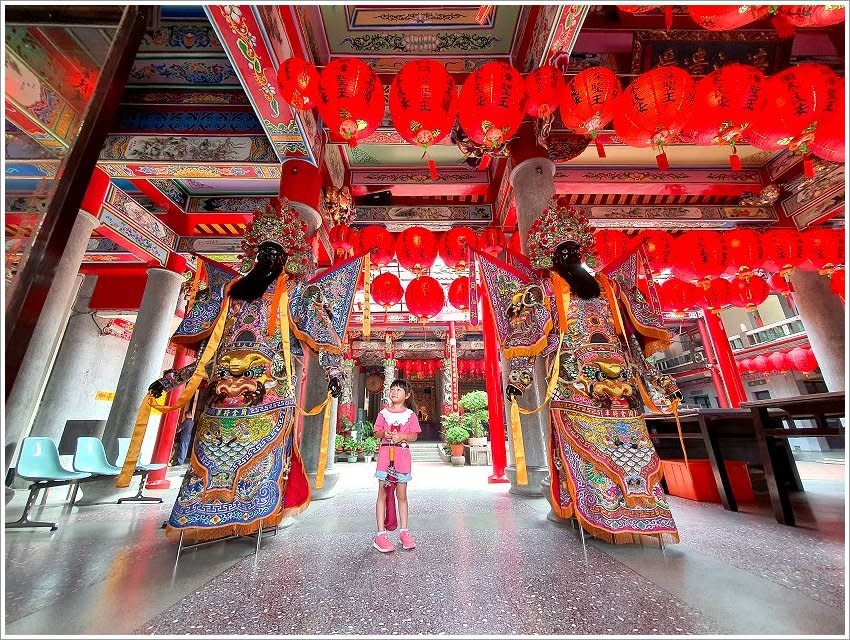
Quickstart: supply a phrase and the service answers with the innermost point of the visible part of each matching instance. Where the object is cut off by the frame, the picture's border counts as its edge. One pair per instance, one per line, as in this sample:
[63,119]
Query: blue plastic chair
[39,463]
[90,456]
[141,469]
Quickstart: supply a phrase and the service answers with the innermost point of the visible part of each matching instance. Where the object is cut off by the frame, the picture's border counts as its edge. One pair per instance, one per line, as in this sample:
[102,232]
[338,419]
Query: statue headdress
[560,223]
[280,223]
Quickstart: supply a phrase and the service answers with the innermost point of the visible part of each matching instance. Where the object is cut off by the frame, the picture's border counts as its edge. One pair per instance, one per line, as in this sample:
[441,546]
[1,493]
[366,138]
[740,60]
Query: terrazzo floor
[487,562]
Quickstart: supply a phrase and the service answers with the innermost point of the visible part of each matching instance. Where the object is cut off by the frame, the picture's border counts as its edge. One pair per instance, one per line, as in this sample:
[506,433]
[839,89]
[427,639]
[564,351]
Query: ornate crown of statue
[280,223]
[556,225]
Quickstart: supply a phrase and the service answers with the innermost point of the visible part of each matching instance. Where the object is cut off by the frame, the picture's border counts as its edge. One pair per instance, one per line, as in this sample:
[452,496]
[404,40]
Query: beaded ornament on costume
[556,225]
[280,223]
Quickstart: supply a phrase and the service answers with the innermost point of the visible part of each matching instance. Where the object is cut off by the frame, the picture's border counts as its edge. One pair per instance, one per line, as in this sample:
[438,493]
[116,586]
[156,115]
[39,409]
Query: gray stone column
[24,398]
[314,391]
[143,362]
[822,314]
[533,181]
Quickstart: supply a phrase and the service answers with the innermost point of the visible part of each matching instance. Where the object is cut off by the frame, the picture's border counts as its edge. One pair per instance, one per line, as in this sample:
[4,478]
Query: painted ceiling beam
[640,181]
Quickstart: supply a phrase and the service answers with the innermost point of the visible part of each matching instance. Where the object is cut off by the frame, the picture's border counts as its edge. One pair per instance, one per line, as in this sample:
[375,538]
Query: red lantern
[658,245]
[587,106]
[424,297]
[416,249]
[749,292]
[745,365]
[830,135]
[342,238]
[386,290]
[781,284]
[610,244]
[459,293]
[543,87]
[698,254]
[381,243]
[491,104]
[351,99]
[761,364]
[778,362]
[807,16]
[724,106]
[802,359]
[836,283]
[299,83]
[716,294]
[790,105]
[744,250]
[646,8]
[492,241]
[726,17]
[782,250]
[423,104]
[677,295]
[514,243]
[824,249]
[454,247]
[653,108]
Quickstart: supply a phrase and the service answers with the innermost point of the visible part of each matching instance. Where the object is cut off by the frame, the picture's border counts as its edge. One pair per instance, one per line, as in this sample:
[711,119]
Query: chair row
[39,463]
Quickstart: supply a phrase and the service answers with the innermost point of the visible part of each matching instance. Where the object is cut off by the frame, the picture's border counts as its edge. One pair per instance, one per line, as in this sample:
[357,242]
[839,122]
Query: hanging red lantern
[697,254]
[514,243]
[386,289]
[724,106]
[726,17]
[351,99]
[380,243]
[647,8]
[824,248]
[745,365]
[782,250]
[459,293]
[454,247]
[761,364]
[744,250]
[610,244]
[342,238]
[802,359]
[836,283]
[543,87]
[587,105]
[424,297]
[749,293]
[809,16]
[831,134]
[653,108]
[298,83]
[416,249]
[423,104]
[657,245]
[789,107]
[715,295]
[677,295]
[778,362]
[781,284]
[492,241]
[491,104]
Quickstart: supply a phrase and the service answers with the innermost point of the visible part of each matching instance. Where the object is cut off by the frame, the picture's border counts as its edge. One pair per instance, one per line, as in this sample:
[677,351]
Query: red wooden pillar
[453,364]
[725,359]
[495,400]
[711,360]
[168,426]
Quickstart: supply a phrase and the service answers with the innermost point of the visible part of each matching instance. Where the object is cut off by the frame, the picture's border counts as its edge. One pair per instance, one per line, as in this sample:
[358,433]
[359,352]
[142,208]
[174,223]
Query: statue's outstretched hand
[335,387]
[512,392]
[156,389]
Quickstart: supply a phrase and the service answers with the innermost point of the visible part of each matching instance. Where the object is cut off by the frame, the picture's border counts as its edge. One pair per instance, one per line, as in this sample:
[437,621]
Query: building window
[702,401]
[764,394]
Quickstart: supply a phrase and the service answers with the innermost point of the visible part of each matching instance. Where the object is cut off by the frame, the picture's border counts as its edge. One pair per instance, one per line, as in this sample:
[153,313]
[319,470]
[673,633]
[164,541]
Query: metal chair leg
[139,497]
[24,522]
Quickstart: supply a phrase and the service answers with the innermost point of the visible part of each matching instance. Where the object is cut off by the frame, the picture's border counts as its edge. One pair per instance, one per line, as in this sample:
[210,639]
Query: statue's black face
[566,253]
[268,265]
[270,254]
[566,261]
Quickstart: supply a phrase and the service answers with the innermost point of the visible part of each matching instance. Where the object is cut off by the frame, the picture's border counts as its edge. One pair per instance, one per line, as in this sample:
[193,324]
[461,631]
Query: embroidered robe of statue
[246,469]
[603,467]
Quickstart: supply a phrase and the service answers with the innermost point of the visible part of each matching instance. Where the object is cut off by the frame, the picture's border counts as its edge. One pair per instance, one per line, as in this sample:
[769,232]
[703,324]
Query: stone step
[425,451]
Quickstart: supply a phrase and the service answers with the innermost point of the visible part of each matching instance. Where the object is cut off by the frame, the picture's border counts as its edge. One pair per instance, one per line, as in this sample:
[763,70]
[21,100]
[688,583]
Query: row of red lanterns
[733,16]
[798,359]
[423,296]
[429,367]
[800,108]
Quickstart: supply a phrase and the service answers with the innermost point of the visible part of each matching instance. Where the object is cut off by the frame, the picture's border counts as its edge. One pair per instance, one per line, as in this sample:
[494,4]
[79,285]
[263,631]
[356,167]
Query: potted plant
[455,437]
[350,447]
[339,439]
[370,448]
[474,404]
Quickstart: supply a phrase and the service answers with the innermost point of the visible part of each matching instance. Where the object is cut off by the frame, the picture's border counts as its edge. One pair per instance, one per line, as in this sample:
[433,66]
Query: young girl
[396,426]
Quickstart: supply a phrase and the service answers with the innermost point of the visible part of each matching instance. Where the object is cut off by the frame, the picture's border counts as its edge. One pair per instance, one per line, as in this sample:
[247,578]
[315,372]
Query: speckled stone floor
[486,563]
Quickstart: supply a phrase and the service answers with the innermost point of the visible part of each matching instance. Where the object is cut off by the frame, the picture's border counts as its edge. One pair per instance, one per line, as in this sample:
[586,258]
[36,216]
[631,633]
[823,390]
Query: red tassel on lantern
[661,160]
[587,105]
[734,160]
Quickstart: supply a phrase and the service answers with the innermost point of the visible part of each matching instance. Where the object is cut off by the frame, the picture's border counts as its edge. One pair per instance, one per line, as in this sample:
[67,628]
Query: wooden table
[711,426]
[774,422]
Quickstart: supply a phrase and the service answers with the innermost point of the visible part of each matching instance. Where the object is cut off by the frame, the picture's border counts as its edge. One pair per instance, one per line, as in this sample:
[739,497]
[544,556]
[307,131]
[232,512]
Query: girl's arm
[380,426]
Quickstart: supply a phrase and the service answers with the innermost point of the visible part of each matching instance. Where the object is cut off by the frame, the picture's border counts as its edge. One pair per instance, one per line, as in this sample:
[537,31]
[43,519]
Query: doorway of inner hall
[428,403]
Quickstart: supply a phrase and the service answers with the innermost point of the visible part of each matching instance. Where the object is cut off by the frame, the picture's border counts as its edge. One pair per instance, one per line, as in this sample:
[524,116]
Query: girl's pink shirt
[388,422]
